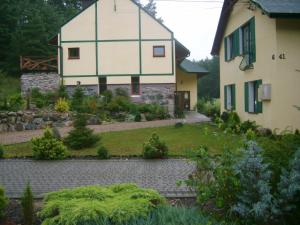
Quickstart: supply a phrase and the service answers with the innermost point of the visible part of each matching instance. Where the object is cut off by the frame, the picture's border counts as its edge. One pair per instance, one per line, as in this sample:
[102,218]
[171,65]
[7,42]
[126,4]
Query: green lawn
[129,143]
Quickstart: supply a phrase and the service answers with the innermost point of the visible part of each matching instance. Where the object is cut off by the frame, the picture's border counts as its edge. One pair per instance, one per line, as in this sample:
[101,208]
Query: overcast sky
[194,23]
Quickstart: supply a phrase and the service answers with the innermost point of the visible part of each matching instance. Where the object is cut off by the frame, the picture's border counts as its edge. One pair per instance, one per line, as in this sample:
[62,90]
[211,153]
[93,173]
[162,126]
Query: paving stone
[46,176]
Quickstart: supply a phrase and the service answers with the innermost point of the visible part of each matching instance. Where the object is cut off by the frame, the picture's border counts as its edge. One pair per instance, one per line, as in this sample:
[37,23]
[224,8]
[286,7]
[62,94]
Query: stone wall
[43,81]
[87,89]
[33,120]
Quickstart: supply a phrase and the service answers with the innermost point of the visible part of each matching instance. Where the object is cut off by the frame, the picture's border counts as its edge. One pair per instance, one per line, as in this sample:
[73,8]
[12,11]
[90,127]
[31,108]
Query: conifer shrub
[62,106]
[81,136]
[77,100]
[48,147]
[62,92]
[102,153]
[155,148]
[27,206]
[115,205]
[3,202]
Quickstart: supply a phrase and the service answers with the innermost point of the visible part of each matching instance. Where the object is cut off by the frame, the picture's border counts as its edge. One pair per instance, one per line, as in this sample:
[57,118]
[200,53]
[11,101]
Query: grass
[130,143]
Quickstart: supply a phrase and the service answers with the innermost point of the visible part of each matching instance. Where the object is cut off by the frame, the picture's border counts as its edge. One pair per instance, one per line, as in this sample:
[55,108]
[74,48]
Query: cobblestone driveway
[47,176]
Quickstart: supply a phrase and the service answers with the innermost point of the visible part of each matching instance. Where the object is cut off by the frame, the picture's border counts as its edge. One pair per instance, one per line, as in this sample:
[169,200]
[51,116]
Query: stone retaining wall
[43,81]
[30,120]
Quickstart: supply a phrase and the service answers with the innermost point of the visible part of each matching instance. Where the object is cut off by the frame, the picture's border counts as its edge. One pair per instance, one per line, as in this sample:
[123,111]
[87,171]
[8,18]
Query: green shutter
[252,43]
[259,107]
[226,49]
[246,97]
[236,42]
[233,96]
[225,97]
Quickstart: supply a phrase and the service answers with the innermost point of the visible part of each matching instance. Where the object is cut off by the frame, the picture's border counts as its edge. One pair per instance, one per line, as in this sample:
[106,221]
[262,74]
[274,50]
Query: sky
[194,23]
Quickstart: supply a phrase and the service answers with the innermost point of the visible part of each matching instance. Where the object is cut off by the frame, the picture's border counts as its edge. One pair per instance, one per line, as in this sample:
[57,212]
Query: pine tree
[27,206]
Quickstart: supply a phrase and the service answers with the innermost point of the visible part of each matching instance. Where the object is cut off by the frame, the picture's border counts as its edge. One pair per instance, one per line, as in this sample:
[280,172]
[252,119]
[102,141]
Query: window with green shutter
[229,97]
[252,103]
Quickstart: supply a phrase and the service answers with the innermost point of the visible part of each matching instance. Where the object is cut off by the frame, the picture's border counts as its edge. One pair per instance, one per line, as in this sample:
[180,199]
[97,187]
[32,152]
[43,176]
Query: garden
[245,174]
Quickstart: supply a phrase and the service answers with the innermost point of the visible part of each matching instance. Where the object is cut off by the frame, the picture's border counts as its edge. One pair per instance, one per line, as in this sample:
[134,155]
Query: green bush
[42,100]
[27,206]
[90,104]
[62,92]
[138,118]
[155,148]
[153,111]
[209,107]
[119,104]
[15,102]
[178,125]
[102,153]
[115,205]
[3,202]
[48,147]
[77,100]
[81,136]
[170,215]
[108,95]
[62,106]
[248,125]
[1,151]
[122,92]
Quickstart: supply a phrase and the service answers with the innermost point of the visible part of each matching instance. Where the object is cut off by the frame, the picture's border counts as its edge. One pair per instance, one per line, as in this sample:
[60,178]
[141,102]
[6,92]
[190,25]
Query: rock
[20,113]
[68,123]
[12,114]
[12,119]
[30,126]
[3,128]
[93,120]
[19,127]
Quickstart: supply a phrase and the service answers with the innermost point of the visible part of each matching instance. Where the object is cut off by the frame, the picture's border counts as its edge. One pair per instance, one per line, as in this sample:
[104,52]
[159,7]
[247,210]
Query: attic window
[159,51]
[74,53]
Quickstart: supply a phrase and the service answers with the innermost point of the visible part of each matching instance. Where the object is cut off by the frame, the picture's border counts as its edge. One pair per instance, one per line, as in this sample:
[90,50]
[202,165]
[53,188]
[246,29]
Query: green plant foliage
[42,100]
[81,136]
[155,148]
[209,107]
[62,92]
[77,100]
[153,111]
[119,104]
[117,204]
[27,206]
[48,147]
[62,106]
[138,118]
[178,125]
[3,202]
[248,125]
[255,201]
[122,92]
[169,215]
[102,153]
[108,95]
[250,135]
[1,151]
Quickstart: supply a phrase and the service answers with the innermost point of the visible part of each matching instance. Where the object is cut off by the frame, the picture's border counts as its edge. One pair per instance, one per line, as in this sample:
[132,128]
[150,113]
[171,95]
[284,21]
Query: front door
[182,100]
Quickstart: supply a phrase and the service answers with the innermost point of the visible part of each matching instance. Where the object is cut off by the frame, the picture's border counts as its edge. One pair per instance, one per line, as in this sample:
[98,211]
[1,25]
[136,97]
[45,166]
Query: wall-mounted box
[264,92]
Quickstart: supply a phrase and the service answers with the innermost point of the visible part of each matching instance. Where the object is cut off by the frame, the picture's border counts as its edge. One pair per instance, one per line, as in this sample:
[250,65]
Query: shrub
[81,136]
[179,113]
[122,92]
[178,125]
[138,118]
[77,100]
[3,202]
[15,102]
[27,206]
[90,104]
[102,153]
[170,215]
[155,148]
[48,147]
[108,95]
[1,151]
[255,201]
[62,92]
[62,105]
[248,125]
[115,205]
[209,107]
[42,100]
[119,104]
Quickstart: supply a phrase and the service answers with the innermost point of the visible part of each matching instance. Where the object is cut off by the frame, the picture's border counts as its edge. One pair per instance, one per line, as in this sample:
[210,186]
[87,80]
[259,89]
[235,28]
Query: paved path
[24,136]
[47,176]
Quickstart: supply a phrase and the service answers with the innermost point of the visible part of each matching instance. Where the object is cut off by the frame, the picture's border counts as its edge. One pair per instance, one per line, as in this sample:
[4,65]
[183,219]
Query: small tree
[27,206]
[77,99]
[155,148]
[81,136]
[3,202]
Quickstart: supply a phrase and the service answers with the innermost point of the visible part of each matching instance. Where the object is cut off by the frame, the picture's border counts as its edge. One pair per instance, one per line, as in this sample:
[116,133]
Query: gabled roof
[273,8]
[192,67]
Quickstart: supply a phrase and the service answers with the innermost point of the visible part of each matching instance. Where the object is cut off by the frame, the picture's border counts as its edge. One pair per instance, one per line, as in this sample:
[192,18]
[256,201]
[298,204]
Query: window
[135,85]
[102,84]
[241,42]
[252,103]
[229,97]
[74,53]
[159,51]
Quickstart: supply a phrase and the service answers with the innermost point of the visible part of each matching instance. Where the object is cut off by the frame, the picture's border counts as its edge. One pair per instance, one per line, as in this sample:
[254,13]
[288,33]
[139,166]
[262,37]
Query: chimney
[86,3]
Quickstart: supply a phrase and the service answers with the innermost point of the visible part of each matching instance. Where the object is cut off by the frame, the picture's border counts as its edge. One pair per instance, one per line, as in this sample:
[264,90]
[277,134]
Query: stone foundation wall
[87,89]
[43,81]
